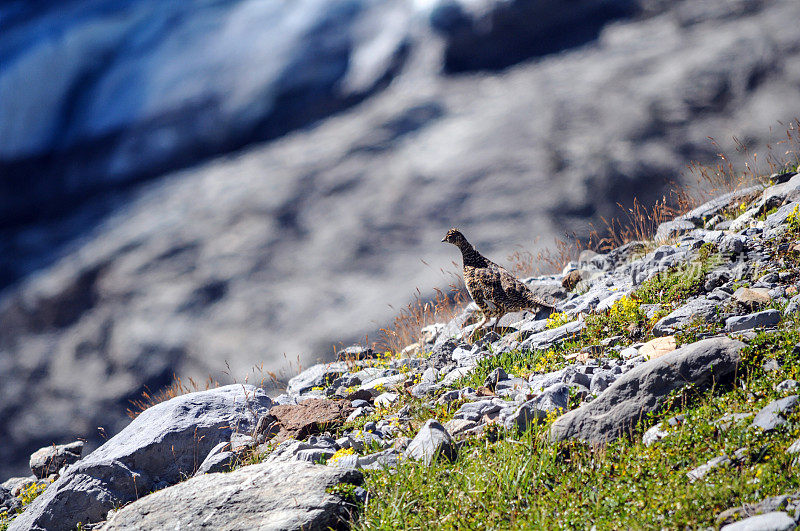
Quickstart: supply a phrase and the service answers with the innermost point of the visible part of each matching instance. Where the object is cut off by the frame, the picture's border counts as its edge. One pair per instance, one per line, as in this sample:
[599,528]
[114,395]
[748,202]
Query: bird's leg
[478,327]
[497,322]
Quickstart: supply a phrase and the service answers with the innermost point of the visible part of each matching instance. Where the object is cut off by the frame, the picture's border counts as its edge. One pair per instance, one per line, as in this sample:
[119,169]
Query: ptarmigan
[493,288]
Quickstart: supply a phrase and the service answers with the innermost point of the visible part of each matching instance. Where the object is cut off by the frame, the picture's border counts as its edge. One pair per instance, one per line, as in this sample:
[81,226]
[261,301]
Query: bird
[493,288]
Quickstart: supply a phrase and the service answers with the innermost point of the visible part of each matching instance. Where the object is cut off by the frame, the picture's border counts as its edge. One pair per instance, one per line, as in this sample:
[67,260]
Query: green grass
[526,482]
[679,283]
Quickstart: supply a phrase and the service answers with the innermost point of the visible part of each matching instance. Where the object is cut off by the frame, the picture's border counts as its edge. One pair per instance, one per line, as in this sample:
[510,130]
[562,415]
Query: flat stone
[319,375]
[660,346]
[386,399]
[699,309]
[673,229]
[767,505]
[309,417]
[549,337]
[387,382]
[457,373]
[763,319]
[752,298]
[701,471]
[456,426]
[774,521]
[289,495]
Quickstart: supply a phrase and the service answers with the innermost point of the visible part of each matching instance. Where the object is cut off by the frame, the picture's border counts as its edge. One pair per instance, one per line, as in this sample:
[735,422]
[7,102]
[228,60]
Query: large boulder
[276,495]
[643,390]
[163,445]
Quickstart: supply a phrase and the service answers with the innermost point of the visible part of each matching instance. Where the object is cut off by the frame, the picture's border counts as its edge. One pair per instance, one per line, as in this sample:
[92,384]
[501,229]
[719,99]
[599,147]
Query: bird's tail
[540,302]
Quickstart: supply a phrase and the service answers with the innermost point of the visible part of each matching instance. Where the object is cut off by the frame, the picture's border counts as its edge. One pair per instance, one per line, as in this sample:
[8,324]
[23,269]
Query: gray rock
[456,426]
[774,521]
[778,218]
[511,386]
[771,416]
[157,449]
[448,397]
[776,195]
[732,244]
[547,338]
[442,354]
[8,502]
[423,389]
[552,400]
[697,309]
[654,434]
[571,375]
[706,210]
[219,459]
[494,377]
[763,319]
[431,441]
[386,459]
[467,358]
[672,229]
[793,306]
[701,471]
[315,455]
[475,410]
[601,381]
[643,389]
[456,374]
[50,459]
[787,385]
[272,495]
[319,375]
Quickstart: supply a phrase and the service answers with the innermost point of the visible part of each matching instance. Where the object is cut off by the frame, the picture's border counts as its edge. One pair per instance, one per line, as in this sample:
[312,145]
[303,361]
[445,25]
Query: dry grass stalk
[177,388]
[419,313]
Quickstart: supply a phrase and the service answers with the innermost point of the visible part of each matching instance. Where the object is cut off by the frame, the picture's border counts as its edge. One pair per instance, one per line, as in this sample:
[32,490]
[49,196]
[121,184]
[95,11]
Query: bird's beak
[444,239]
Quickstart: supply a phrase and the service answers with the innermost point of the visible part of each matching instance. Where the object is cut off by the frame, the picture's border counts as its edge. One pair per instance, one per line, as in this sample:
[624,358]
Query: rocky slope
[654,337]
[289,246]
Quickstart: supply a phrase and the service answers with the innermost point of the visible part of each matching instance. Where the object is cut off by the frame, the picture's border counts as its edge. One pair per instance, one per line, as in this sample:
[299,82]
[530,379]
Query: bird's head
[455,237]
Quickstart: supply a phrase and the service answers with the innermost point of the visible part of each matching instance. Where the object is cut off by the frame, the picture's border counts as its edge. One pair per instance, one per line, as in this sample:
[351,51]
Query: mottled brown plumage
[493,288]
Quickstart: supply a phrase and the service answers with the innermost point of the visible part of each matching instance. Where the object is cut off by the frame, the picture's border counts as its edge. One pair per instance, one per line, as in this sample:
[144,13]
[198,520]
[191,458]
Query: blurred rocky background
[189,184]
